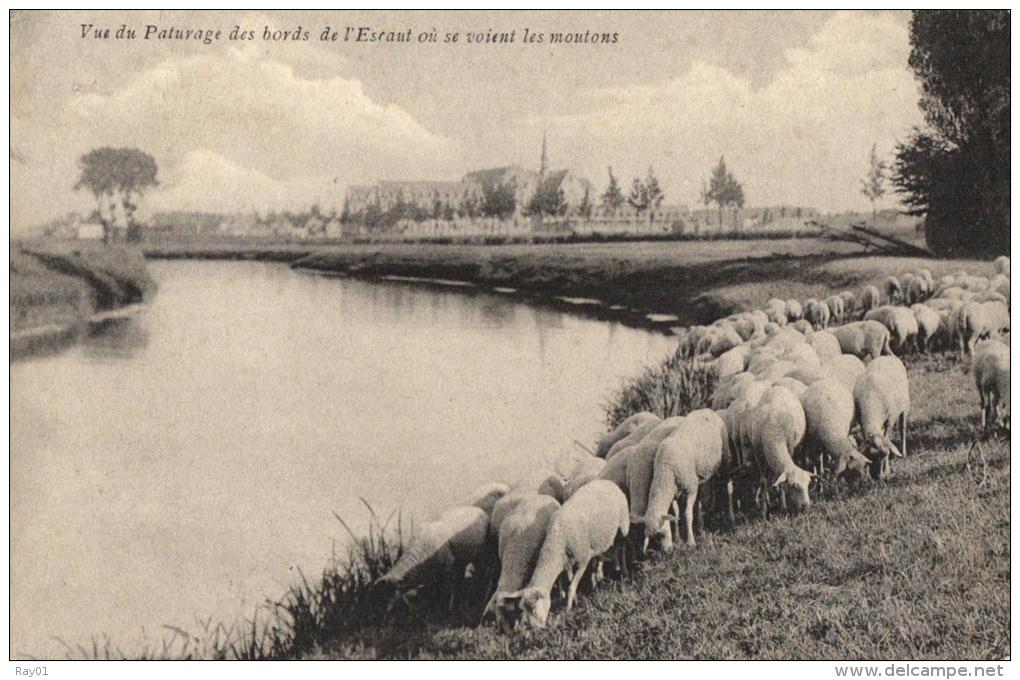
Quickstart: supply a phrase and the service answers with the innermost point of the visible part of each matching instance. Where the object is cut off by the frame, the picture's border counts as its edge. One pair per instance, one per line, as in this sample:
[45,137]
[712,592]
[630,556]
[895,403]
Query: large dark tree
[498,200]
[723,189]
[117,178]
[956,170]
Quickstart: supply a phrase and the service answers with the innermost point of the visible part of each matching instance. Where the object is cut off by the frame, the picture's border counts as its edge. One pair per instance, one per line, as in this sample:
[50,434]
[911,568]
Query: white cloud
[804,137]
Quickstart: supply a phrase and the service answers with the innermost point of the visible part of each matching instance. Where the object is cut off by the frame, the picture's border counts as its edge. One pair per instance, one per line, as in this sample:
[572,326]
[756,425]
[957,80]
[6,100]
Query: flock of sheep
[794,380]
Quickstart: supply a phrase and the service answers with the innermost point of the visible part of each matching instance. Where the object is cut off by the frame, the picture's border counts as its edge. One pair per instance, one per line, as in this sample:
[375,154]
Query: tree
[613,197]
[548,199]
[956,170]
[723,189]
[117,178]
[498,200]
[638,198]
[873,184]
[653,193]
[586,207]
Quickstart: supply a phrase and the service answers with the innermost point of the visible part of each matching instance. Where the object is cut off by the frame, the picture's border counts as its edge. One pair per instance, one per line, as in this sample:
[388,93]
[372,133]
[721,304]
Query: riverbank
[657,284]
[57,288]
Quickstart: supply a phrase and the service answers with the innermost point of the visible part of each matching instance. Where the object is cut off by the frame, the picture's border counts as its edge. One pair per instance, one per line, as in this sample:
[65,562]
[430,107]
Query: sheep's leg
[692,500]
[576,581]
[984,410]
[782,498]
[730,515]
[699,516]
[903,433]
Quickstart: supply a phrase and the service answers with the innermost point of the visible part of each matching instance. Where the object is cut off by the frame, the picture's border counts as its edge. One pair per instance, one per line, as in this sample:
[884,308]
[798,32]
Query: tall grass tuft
[676,387]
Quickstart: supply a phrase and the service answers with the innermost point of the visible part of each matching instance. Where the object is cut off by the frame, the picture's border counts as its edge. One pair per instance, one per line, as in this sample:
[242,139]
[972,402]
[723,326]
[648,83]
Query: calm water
[185,463]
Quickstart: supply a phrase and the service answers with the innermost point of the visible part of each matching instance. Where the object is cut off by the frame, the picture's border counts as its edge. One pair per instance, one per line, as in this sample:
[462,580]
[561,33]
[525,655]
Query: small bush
[675,388]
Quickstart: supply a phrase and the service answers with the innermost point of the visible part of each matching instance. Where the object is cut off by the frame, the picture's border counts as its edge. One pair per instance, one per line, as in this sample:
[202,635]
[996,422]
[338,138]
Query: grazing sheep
[817,312]
[794,311]
[641,463]
[829,412]
[445,546]
[804,355]
[621,431]
[587,469]
[1002,265]
[836,308]
[771,328]
[845,368]
[825,345]
[634,437]
[990,296]
[792,384]
[784,340]
[807,374]
[891,285]
[991,373]
[520,539]
[952,293]
[777,429]
[863,339]
[728,389]
[881,398]
[615,470]
[901,324]
[732,362]
[739,425]
[486,496]
[928,322]
[695,453]
[544,482]
[978,320]
[725,338]
[777,316]
[777,370]
[586,527]
[802,326]
[870,299]
[777,304]
[849,304]
[746,325]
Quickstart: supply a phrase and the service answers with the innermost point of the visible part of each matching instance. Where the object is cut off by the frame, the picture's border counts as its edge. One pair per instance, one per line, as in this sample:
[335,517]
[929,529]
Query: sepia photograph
[510,335]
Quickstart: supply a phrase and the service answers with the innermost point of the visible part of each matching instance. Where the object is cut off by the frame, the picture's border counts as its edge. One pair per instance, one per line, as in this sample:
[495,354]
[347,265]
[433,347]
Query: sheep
[891,285]
[999,284]
[777,429]
[794,310]
[634,437]
[732,362]
[777,316]
[792,384]
[771,328]
[746,325]
[825,345]
[777,370]
[829,412]
[991,373]
[445,545]
[849,304]
[870,298]
[641,462]
[977,320]
[928,322]
[863,339]
[881,397]
[952,293]
[727,390]
[693,454]
[804,355]
[845,368]
[544,482]
[1002,264]
[584,528]
[808,374]
[802,326]
[818,313]
[621,431]
[784,340]
[916,290]
[520,538]
[836,308]
[777,304]
[486,496]
[989,296]
[901,324]
[585,471]
[615,470]
[725,338]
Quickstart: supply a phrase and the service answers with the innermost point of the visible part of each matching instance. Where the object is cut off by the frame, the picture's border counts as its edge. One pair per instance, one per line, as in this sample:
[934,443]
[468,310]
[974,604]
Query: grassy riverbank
[56,286]
[689,280]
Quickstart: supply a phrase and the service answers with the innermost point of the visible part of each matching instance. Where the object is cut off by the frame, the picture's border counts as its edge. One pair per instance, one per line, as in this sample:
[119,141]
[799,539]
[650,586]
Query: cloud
[804,137]
[243,124]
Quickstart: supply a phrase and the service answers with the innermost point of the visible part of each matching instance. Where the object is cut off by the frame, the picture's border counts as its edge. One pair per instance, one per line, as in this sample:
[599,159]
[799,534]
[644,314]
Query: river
[185,463]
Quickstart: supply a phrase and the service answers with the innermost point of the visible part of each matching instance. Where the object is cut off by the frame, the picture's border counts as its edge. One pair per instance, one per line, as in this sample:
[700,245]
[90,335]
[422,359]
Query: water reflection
[116,338]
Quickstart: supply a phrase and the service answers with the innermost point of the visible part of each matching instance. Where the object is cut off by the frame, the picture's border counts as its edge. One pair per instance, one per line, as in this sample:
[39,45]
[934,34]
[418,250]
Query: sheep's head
[505,608]
[798,483]
[854,464]
[534,607]
[654,533]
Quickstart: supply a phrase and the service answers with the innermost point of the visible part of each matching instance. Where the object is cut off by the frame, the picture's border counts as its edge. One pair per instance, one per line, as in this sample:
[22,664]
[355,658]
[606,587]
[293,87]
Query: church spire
[545,157]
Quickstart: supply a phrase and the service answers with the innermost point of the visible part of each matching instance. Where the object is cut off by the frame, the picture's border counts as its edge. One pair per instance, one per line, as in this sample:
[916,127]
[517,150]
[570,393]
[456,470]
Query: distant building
[445,200]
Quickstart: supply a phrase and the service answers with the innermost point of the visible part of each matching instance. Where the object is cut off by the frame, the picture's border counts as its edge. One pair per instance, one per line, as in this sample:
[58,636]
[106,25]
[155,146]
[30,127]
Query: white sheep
[849,304]
[486,496]
[870,298]
[796,386]
[794,310]
[881,398]
[543,482]
[928,322]
[817,312]
[777,429]
[845,368]
[641,462]
[825,345]
[740,414]
[729,388]
[695,453]
[445,546]
[829,412]
[621,431]
[1002,264]
[891,285]
[901,323]
[585,528]
[978,320]
[802,326]
[836,308]
[725,338]
[586,469]
[732,362]
[916,290]
[520,539]
[863,339]
[634,437]
[991,373]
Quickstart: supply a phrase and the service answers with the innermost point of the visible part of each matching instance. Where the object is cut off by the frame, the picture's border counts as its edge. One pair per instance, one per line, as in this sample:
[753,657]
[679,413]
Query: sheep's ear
[895,451]
[779,480]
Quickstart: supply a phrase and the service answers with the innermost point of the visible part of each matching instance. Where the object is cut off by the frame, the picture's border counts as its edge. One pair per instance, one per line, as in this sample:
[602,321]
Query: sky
[793,100]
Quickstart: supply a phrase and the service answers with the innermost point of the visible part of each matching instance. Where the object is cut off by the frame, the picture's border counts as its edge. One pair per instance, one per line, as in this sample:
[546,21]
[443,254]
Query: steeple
[545,157]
